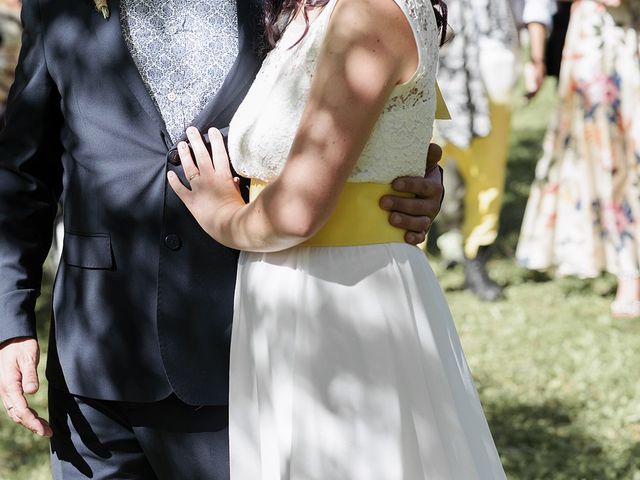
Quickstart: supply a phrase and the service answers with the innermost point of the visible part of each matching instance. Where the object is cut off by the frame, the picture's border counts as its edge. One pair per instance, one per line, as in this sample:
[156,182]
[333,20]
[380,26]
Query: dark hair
[274,10]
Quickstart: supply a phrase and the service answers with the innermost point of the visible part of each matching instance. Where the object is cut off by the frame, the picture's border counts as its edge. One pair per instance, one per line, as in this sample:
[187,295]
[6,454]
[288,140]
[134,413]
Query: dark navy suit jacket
[143,298]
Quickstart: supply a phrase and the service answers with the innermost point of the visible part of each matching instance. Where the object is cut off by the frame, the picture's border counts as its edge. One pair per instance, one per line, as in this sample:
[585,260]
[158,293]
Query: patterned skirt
[583,213]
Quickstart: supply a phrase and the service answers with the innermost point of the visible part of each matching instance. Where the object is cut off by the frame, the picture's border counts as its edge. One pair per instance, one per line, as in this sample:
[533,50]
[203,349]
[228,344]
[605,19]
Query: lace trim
[263,129]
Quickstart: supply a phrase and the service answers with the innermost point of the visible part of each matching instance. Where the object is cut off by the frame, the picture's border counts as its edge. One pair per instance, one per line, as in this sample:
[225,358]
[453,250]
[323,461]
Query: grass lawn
[557,376]
[556,373]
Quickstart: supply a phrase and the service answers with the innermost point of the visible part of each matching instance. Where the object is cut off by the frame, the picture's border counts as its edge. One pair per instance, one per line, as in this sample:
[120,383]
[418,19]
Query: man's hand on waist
[416,214]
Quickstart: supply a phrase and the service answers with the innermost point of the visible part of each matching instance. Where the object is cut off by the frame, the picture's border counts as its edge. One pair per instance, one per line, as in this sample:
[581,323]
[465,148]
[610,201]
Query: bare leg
[627,301]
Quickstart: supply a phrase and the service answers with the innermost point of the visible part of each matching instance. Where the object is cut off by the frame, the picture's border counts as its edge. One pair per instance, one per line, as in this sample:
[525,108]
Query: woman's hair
[276,10]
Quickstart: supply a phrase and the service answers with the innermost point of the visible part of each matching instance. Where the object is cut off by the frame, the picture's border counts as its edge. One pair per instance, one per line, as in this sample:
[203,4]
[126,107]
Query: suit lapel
[109,36]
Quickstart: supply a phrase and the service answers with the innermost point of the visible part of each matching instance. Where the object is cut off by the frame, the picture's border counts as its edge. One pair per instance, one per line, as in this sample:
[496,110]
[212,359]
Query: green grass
[557,376]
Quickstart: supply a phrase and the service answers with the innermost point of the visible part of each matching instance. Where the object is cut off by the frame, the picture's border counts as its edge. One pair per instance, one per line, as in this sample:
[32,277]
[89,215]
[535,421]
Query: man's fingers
[409,206]
[19,411]
[18,375]
[12,414]
[28,364]
[429,187]
[11,411]
[17,406]
[410,223]
[415,238]
[40,426]
[27,417]
[30,419]
[434,155]
[15,401]
[417,185]
[11,387]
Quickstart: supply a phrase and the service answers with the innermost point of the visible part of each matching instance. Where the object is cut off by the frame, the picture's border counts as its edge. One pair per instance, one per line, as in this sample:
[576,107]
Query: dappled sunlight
[322,369]
[354,373]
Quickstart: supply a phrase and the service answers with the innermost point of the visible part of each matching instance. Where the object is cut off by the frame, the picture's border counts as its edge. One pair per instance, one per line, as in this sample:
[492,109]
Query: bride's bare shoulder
[381,16]
[375,24]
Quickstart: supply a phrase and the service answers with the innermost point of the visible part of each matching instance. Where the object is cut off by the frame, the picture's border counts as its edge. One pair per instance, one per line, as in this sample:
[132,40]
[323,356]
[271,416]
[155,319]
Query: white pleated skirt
[346,365]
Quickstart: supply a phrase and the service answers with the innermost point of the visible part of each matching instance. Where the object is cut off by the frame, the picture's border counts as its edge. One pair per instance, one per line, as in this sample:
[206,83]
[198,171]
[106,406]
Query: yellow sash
[357,218]
[442,111]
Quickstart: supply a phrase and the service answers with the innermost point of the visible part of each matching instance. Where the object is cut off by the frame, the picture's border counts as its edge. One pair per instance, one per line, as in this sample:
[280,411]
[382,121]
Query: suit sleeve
[30,180]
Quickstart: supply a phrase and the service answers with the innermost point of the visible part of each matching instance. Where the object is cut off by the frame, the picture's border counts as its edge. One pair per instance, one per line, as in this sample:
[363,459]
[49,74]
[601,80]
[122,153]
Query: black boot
[478,280]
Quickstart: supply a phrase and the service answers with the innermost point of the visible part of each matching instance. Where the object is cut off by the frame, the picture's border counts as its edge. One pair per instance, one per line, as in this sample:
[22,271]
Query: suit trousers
[123,440]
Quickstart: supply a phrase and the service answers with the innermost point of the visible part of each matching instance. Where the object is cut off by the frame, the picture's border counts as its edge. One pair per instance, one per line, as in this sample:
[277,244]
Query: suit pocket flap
[88,250]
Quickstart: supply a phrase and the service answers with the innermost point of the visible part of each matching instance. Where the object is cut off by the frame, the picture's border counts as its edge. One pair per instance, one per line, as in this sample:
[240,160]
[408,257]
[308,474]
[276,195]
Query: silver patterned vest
[183,49]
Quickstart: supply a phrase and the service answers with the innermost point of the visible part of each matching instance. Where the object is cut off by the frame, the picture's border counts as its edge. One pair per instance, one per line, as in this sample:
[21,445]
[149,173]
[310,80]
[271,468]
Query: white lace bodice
[263,129]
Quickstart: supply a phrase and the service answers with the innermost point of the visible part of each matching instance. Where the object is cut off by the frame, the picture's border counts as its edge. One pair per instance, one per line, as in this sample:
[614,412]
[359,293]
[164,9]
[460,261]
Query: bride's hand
[214,195]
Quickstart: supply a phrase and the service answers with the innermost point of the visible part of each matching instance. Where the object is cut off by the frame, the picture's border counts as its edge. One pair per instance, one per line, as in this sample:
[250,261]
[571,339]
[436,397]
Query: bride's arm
[368,49]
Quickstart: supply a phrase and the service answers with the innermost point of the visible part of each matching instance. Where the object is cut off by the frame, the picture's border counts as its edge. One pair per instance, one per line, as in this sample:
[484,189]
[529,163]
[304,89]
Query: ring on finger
[193,175]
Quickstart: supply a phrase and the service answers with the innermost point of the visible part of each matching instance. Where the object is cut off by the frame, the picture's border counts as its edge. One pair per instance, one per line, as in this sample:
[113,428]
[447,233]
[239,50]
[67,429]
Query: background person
[583,213]
[478,72]
[557,36]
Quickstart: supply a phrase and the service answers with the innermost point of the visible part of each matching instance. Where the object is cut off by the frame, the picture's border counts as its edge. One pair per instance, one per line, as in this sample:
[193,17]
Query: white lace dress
[345,362]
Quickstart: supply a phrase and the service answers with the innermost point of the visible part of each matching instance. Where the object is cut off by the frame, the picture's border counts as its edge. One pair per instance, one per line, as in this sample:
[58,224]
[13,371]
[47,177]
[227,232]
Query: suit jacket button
[173,157]
[173,241]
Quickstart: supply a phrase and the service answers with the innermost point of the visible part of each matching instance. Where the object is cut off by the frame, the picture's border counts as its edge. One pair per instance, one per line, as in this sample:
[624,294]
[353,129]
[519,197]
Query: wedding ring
[193,175]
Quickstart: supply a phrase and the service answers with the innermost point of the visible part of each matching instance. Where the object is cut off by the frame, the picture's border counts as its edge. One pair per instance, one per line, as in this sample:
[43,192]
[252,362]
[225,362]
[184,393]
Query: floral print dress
[583,213]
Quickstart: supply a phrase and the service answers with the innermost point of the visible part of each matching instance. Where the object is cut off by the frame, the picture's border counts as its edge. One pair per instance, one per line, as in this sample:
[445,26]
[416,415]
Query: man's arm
[536,68]
[416,215]
[537,16]
[30,184]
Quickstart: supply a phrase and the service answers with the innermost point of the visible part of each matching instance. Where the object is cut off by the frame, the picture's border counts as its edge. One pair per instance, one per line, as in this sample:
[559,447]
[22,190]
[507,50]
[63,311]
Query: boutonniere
[103,7]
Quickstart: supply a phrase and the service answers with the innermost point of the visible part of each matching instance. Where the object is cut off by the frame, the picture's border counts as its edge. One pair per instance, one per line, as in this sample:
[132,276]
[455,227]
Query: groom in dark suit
[142,303]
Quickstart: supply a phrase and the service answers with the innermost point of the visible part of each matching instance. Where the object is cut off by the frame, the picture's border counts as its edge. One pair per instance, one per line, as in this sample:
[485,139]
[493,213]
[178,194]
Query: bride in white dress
[345,361]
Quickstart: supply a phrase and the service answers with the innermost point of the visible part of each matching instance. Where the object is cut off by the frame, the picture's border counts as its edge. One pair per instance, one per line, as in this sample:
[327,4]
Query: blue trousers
[168,439]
